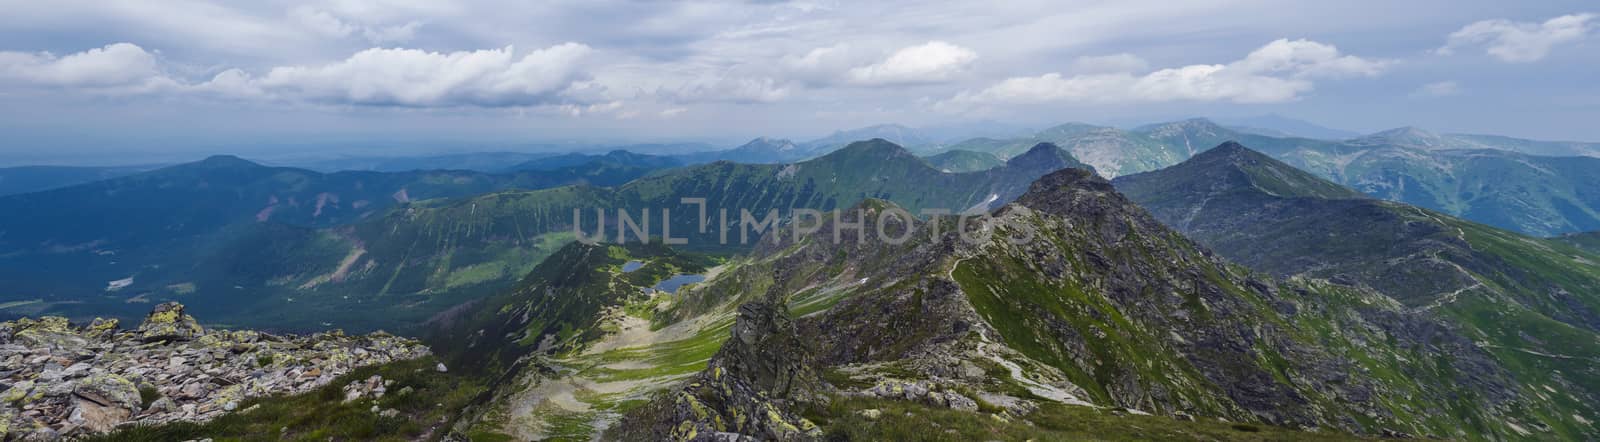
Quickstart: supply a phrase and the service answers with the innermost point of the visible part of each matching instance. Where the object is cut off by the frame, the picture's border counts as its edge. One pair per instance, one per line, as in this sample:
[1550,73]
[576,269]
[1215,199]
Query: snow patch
[788,171]
[119,284]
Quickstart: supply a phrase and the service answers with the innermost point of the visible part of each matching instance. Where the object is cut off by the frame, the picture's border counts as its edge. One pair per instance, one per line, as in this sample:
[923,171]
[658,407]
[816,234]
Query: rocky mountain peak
[1038,151]
[1232,167]
[1046,157]
[1070,192]
[1232,148]
[876,149]
[769,144]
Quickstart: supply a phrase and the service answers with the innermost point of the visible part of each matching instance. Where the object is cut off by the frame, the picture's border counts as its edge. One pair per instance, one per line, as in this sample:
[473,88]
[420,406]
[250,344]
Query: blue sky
[113,79]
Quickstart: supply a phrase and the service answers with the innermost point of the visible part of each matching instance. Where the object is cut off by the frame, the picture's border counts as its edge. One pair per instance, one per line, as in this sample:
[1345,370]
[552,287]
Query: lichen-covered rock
[101,328]
[100,402]
[18,394]
[58,380]
[48,331]
[167,322]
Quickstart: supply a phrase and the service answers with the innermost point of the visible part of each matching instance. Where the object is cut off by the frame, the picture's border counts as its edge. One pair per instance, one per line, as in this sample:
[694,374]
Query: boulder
[51,332]
[103,401]
[101,328]
[167,322]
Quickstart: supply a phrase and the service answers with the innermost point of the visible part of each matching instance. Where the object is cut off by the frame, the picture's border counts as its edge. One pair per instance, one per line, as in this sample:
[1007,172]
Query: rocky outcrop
[745,391]
[61,380]
[167,322]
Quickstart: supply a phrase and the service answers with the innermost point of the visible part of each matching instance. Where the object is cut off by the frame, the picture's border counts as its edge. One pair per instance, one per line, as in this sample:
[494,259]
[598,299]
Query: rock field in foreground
[59,380]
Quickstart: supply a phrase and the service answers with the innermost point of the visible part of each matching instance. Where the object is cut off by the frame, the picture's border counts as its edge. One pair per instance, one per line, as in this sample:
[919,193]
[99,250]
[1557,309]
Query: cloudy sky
[125,77]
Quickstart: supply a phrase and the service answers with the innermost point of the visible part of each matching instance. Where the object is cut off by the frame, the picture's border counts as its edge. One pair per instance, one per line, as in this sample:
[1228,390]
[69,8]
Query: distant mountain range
[228,236]
[758,151]
[617,158]
[25,179]
[1281,126]
[208,226]
[1504,182]
[475,161]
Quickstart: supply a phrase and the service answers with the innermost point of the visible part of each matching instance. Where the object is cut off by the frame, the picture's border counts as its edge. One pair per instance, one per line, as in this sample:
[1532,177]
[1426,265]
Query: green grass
[1020,308]
[675,358]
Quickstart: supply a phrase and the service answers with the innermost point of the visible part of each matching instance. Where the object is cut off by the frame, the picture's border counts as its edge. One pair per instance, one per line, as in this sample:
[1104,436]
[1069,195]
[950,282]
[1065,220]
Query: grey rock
[167,322]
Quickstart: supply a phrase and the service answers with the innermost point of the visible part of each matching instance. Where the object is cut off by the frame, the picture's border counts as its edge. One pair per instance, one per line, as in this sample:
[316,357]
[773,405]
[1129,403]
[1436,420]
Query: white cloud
[1280,71]
[411,77]
[327,24]
[1438,89]
[578,110]
[118,65]
[391,34]
[1520,42]
[321,22]
[1306,58]
[824,66]
[932,62]
[732,89]
[1114,63]
[853,65]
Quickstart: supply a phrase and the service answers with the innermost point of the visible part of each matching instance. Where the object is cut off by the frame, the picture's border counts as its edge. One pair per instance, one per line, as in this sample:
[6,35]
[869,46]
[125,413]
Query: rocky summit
[60,380]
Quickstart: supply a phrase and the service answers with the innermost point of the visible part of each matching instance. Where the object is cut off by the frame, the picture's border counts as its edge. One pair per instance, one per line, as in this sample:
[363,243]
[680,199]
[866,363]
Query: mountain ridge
[1464,273]
[1073,287]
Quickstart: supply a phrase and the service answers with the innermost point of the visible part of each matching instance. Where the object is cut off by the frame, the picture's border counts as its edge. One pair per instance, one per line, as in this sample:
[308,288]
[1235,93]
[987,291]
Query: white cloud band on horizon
[1279,71]
[1520,42]
[327,24]
[932,62]
[372,77]
[417,78]
[113,66]
[841,65]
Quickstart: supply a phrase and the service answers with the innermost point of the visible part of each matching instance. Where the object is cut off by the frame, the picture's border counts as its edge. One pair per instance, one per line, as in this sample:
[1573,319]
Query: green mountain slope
[1531,147]
[1528,301]
[761,150]
[1488,184]
[1417,138]
[1589,241]
[423,257]
[223,232]
[1100,317]
[963,161]
[868,169]
[1104,307]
